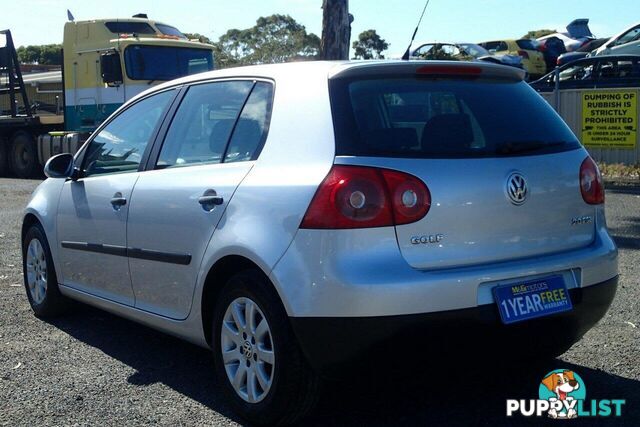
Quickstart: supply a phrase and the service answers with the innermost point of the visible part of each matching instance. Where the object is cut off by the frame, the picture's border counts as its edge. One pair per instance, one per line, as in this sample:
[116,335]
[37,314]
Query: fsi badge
[562,394]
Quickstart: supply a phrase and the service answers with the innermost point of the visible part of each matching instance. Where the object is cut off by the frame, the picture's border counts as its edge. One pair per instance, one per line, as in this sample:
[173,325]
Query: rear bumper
[334,343]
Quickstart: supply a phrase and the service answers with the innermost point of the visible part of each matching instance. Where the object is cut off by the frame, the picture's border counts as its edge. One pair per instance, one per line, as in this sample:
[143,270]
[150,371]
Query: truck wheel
[4,162]
[23,155]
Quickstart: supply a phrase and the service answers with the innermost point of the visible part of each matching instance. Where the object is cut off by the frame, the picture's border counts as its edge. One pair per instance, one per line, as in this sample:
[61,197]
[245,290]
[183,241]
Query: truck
[105,63]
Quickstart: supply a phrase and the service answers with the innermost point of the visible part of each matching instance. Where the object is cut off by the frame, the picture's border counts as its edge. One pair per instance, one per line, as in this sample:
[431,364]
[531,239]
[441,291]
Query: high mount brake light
[448,70]
[364,197]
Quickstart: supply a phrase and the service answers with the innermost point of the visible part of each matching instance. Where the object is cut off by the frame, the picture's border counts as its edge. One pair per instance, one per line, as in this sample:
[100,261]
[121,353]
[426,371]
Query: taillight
[362,197]
[591,184]
[523,54]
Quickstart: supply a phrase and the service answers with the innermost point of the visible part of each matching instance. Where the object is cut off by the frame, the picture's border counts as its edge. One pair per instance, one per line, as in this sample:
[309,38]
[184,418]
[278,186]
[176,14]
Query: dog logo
[563,389]
[562,395]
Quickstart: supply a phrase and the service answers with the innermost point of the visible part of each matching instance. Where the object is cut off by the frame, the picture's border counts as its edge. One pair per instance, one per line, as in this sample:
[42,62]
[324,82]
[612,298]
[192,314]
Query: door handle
[210,199]
[117,201]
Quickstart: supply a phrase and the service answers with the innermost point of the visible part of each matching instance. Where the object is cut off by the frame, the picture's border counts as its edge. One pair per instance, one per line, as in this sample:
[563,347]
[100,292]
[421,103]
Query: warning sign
[610,119]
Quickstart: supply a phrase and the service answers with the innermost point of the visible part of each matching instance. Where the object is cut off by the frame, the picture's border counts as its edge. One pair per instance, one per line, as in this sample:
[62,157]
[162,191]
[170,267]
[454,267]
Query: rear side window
[428,118]
[252,126]
[526,44]
[201,127]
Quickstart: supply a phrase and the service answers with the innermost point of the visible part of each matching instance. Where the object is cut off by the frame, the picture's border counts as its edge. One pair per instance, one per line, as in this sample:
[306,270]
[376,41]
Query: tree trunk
[336,30]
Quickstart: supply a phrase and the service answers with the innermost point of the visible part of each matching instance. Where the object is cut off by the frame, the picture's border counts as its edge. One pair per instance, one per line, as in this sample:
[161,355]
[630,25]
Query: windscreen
[442,118]
[170,31]
[144,62]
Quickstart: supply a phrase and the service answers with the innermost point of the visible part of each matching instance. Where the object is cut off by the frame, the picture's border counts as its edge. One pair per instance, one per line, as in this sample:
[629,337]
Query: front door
[92,212]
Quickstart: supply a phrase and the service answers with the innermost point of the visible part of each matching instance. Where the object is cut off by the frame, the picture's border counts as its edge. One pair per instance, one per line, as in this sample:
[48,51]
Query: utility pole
[336,29]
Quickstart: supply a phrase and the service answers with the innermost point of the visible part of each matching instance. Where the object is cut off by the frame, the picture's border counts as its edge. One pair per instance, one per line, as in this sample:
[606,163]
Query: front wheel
[258,361]
[40,280]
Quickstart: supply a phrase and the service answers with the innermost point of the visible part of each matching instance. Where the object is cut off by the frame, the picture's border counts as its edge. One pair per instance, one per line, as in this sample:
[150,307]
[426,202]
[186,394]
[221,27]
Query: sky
[42,21]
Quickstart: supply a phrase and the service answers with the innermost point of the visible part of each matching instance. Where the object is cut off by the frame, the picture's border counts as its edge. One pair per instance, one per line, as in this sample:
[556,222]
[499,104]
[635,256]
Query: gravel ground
[92,368]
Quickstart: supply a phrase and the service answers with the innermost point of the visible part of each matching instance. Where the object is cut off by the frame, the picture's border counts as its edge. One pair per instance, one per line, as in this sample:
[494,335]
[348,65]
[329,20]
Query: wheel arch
[216,278]
[29,220]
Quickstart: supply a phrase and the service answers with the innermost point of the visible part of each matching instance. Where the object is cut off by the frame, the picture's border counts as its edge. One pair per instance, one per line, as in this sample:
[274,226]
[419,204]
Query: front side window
[201,127]
[629,36]
[498,46]
[144,62]
[423,51]
[120,145]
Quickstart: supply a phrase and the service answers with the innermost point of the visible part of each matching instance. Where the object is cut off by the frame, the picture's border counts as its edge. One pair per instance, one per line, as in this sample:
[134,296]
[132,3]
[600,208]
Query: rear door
[501,166]
[208,149]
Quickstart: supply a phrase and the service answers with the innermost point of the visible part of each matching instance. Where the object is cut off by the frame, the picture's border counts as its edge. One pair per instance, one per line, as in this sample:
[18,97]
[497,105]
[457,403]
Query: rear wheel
[40,280]
[23,155]
[258,362]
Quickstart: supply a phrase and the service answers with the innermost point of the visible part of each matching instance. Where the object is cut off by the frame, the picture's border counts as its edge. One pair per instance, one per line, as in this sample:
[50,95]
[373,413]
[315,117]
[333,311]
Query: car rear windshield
[440,118]
[526,44]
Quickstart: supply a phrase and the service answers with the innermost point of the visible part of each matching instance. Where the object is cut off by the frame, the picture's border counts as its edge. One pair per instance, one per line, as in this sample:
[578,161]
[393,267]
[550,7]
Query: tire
[40,280]
[292,388]
[23,155]
[4,161]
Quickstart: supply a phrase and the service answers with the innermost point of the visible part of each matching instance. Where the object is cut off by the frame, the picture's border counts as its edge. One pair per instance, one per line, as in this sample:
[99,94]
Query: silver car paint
[478,222]
[361,273]
[319,272]
[85,214]
[159,198]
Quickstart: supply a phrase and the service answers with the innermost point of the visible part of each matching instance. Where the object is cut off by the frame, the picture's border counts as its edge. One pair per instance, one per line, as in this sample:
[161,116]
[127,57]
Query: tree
[49,54]
[369,45]
[336,29]
[536,34]
[199,37]
[274,39]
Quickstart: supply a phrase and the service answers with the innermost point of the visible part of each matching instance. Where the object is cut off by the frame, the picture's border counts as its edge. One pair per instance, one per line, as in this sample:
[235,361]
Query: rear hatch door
[501,166]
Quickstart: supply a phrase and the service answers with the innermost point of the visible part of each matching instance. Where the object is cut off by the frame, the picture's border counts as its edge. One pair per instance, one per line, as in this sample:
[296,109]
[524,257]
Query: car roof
[315,71]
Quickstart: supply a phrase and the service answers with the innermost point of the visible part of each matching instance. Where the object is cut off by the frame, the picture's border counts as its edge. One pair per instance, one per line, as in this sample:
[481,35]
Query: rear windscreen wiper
[518,147]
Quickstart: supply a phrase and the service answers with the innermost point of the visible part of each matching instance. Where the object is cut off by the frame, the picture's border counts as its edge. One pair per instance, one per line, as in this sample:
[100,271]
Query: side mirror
[111,68]
[60,166]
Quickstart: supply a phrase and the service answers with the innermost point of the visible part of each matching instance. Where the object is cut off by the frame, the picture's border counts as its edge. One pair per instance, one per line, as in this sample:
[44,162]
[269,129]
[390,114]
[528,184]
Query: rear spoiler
[579,28]
[426,69]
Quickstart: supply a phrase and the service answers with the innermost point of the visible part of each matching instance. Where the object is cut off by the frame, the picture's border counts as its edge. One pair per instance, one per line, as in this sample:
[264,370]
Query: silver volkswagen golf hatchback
[298,218]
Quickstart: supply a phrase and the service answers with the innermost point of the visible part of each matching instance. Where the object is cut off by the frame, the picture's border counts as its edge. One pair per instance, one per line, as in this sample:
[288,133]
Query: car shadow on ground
[467,393]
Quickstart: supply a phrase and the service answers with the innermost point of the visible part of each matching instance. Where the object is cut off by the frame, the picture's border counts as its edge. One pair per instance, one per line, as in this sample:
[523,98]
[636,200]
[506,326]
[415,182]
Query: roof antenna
[406,55]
